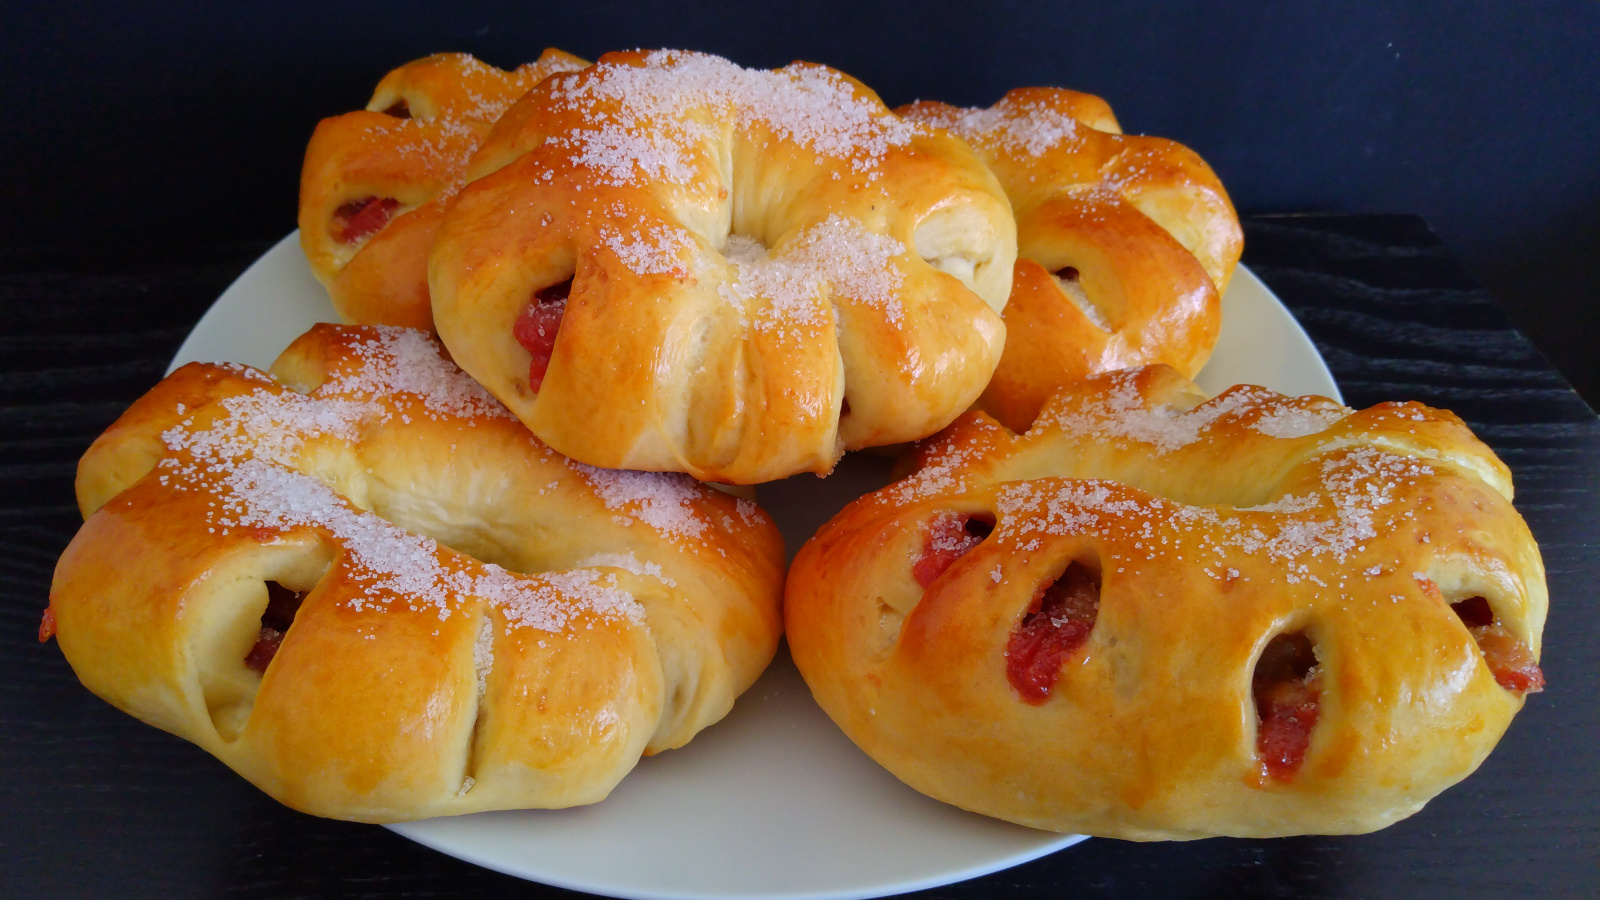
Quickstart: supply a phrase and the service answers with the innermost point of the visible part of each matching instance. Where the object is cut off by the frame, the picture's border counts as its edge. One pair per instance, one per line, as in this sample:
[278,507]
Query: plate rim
[212,324]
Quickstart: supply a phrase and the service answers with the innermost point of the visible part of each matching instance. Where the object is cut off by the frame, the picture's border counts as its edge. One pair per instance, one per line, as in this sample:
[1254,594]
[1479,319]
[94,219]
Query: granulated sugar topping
[442,144]
[406,361]
[1338,521]
[943,474]
[650,250]
[436,149]
[618,153]
[240,456]
[643,120]
[1031,128]
[550,601]
[1294,422]
[662,500]
[786,291]
[749,512]
[629,563]
[1124,414]
[937,479]
[1349,493]
[459,102]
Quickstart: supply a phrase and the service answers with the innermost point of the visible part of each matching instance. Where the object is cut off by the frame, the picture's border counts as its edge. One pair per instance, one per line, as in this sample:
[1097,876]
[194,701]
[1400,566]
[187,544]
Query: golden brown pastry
[1157,616]
[669,262]
[376,180]
[1125,244]
[303,575]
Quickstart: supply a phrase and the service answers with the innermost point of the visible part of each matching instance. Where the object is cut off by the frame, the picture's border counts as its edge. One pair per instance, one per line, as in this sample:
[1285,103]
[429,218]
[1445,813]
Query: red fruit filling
[282,604]
[536,328]
[948,538]
[47,624]
[361,218]
[1288,692]
[1057,623]
[1509,659]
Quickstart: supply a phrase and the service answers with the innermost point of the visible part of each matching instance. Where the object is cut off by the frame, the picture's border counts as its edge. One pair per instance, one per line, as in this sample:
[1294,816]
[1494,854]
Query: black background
[162,124]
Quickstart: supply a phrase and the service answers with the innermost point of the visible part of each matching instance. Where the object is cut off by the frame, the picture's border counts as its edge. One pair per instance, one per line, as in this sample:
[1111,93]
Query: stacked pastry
[377,180]
[664,265]
[362,584]
[1126,244]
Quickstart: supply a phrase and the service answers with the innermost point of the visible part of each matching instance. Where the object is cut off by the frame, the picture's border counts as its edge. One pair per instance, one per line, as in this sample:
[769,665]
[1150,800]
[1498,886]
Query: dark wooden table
[95,804]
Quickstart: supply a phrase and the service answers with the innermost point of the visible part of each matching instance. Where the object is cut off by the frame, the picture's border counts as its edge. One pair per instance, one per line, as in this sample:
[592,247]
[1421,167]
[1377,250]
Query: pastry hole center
[400,109]
[949,536]
[1058,622]
[1510,660]
[1287,686]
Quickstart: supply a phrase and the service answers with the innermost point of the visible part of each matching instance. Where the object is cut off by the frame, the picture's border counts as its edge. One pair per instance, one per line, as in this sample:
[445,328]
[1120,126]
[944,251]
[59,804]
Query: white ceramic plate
[774,801]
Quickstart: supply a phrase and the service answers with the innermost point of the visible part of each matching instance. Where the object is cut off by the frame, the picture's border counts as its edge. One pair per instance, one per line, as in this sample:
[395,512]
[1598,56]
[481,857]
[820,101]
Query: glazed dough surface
[1211,528]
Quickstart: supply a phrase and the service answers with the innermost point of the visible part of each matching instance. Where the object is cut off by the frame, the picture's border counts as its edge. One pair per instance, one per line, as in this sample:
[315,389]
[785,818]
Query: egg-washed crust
[1211,528]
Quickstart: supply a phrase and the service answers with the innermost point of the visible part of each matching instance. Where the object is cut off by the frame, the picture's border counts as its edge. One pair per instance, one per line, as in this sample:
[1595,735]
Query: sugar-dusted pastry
[669,262]
[364,586]
[376,180]
[1158,616]
[1125,244]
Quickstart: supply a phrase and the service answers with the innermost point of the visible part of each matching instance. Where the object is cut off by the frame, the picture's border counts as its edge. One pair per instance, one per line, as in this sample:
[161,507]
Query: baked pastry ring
[1125,244]
[1153,617]
[668,262]
[415,680]
[375,181]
